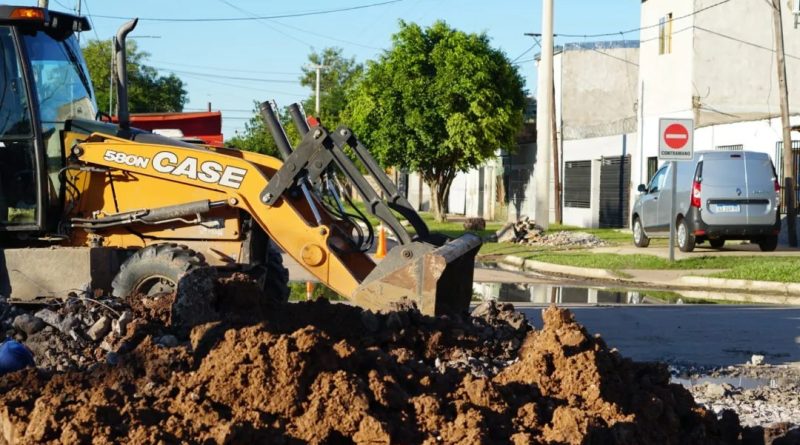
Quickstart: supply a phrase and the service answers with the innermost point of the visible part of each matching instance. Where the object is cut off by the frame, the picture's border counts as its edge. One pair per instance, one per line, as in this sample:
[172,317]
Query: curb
[560,269]
[768,286]
[684,282]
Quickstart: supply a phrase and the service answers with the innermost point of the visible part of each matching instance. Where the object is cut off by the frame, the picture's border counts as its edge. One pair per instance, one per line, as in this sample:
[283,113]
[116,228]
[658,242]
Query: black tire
[685,237]
[155,269]
[716,243]
[274,278]
[266,266]
[640,239]
[768,243]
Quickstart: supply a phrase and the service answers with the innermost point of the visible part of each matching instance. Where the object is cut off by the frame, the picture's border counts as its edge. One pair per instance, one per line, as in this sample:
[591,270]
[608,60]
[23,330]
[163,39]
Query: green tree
[257,138]
[336,82]
[148,92]
[438,102]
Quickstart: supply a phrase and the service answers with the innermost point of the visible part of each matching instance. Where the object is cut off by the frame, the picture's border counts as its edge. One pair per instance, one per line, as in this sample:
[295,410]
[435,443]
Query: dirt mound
[326,373]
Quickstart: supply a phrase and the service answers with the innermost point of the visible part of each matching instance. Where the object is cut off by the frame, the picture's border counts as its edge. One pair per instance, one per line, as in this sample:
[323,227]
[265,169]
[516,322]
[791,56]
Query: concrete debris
[764,395]
[99,329]
[27,323]
[757,359]
[526,231]
[49,317]
[120,325]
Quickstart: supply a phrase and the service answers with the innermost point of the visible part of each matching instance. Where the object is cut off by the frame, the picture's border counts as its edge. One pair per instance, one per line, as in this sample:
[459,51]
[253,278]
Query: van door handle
[655,198]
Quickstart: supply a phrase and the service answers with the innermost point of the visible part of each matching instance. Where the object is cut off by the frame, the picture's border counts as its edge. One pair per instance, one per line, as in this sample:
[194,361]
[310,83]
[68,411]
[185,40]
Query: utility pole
[556,157]
[544,137]
[318,67]
[788,155]
[43,4]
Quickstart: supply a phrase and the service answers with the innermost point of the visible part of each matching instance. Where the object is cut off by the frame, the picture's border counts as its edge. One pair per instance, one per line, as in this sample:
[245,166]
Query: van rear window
[723,171]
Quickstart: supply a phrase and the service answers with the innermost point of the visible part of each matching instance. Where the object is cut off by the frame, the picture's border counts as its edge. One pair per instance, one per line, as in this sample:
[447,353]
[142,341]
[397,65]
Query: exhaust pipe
[121,78]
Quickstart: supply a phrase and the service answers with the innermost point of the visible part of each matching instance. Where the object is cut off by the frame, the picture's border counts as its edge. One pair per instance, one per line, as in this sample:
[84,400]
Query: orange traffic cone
[309,290]
[380,251]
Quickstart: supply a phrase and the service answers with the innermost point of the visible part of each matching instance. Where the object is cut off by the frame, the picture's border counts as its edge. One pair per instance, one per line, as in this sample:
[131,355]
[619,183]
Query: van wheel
[686,239]
[639,237]
[717,243]
[768,243]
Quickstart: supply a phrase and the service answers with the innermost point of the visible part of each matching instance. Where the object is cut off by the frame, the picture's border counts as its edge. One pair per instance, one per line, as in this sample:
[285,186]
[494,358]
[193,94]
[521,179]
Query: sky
[231,64]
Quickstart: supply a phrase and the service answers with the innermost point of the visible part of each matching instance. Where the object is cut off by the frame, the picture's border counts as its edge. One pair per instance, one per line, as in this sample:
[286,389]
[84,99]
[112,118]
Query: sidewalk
[677,279]
[732,248]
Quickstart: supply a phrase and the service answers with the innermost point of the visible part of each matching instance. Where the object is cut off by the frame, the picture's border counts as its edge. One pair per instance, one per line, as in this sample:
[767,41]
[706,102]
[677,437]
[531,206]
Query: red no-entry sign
[675,139]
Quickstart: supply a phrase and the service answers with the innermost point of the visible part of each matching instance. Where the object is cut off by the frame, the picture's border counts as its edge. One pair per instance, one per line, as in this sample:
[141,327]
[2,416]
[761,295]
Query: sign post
[675,143]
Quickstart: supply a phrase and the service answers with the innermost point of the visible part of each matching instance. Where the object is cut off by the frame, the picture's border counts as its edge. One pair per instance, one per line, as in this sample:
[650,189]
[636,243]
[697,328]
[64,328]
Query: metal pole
[111,79]
[673,170]
[544,139]
[43,4]
[788,165]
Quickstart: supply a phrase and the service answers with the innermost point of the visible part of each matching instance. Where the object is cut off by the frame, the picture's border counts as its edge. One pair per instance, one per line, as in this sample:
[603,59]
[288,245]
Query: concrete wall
[735,75]
[598,89]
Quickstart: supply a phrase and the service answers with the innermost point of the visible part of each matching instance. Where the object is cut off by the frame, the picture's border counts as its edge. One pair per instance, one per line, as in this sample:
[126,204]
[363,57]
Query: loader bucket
[437,278]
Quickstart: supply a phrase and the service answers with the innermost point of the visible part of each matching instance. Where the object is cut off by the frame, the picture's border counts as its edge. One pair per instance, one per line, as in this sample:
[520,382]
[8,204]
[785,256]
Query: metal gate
[615,178]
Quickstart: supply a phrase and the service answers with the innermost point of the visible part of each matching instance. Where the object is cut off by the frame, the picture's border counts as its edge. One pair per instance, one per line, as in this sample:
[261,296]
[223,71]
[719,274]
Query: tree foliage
[336,82]
[438,102]
[148,92]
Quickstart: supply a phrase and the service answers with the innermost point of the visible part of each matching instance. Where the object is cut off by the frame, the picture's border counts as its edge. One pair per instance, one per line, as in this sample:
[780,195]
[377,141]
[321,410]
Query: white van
[721,195]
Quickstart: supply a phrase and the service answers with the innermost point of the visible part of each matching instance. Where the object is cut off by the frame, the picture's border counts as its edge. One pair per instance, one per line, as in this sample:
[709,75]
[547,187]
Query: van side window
[657,183]
[698,174]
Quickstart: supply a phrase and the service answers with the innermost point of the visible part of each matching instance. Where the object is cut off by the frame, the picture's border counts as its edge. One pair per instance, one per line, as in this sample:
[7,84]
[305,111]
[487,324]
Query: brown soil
[324,373]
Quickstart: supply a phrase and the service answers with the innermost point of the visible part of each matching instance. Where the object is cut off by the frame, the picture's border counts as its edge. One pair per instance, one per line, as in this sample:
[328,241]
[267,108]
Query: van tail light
[696,194]
[777,185]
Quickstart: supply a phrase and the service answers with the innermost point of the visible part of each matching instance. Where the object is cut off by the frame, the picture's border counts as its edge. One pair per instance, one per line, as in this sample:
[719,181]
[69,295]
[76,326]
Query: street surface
[708,335]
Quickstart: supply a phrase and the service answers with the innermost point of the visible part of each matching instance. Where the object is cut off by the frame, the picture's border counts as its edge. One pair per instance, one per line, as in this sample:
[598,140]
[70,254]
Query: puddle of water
[548,293]
[739,382]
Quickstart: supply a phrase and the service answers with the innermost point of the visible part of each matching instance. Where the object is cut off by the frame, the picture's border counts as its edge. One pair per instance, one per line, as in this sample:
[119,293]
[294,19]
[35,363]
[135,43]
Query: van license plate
[728,208]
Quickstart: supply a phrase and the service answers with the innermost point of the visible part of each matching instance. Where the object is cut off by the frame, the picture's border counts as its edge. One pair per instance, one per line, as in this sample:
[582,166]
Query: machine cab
[44,84]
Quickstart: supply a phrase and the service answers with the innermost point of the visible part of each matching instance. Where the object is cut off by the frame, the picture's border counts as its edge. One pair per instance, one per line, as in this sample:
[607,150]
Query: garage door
[615,178]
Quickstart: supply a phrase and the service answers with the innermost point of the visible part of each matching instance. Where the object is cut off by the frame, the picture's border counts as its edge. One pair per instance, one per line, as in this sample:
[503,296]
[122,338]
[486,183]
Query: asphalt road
[707,335]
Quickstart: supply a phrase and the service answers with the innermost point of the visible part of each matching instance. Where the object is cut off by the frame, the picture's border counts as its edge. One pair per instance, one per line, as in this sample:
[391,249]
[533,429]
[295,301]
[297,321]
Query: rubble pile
[319,373]
[760,394]
[69,335]
[526,231]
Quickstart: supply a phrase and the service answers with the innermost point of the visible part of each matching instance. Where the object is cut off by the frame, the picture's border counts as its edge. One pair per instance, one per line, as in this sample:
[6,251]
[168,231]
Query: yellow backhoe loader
[90,206]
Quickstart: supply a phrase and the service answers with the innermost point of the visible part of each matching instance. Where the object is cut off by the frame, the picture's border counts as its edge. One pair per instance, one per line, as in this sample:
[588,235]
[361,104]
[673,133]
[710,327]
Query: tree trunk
[440,191]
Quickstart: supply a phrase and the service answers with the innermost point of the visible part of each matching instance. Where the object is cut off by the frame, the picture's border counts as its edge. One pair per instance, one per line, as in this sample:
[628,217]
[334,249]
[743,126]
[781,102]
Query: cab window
[657,183]
[18,179]
[64,92]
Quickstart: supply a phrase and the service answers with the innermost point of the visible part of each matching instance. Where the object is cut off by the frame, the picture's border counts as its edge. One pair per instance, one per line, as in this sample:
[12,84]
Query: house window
[665,34]
[577,184]
[652,166]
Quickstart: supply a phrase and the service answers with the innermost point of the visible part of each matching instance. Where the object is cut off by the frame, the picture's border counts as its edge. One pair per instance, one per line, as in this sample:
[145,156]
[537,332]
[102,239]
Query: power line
[642,28]
[220,76]
[244,87]
[335,39]
[266,17]
[89,16]
[214,68]
[252,14]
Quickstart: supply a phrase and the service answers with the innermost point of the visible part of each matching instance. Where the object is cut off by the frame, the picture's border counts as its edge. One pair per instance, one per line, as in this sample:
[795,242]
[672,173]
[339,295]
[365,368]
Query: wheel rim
[637,232]
[682,235]
[154,285]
